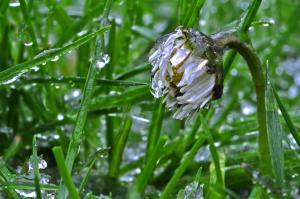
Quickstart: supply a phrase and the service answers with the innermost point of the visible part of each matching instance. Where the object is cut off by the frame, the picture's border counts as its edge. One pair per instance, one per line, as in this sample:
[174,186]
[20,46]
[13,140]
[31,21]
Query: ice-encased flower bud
[186,70]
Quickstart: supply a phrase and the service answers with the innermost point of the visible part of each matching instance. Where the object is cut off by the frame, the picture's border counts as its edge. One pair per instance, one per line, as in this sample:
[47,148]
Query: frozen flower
[187,71]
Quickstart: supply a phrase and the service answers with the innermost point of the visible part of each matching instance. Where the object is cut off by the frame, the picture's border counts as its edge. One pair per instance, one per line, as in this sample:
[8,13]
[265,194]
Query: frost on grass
[187,71]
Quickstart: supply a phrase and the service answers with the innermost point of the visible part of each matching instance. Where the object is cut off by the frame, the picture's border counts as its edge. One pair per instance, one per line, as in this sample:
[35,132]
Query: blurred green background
[125,125]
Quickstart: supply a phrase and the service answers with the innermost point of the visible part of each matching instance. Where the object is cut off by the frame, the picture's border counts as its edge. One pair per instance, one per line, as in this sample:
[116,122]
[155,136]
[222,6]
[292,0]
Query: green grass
[102,132]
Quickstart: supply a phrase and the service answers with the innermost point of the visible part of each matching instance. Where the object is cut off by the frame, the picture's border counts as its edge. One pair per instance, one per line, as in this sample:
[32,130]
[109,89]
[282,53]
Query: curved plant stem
[257,73]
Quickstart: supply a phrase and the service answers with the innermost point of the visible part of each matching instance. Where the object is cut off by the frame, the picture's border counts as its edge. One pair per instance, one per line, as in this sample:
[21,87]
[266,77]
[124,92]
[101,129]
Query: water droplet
[6,130]
[192,190]
[46,52]
[102,61]
[72,98]
[26,193]
[82,33]
[29,43]
[14,3]
[60,117]
[41,163]
[76,93]
[55,58]
[13,79]
[35,68]
[202,22]
[267,22]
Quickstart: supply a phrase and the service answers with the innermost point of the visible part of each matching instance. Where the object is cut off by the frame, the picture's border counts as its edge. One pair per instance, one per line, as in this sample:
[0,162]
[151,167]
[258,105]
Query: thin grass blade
[287,118]
[65,172]
[14,72]
[275,135]
[36,169]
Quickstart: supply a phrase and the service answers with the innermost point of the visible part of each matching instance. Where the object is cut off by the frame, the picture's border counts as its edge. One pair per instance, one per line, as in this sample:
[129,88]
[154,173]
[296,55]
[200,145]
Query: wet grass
[102,134]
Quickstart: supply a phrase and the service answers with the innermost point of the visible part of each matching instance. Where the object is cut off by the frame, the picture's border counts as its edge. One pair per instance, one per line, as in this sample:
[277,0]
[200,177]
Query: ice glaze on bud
[187,71]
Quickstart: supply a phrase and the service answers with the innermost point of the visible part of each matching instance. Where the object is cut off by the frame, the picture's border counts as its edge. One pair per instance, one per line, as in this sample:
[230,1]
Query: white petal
[192,70]
[179,56]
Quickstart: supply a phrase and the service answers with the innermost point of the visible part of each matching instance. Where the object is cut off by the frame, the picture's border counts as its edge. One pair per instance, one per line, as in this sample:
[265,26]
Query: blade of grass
[36,169]
[145,32]
[65,172]
[83,110]
[142,180]
[60,14]
[77,26]
[128,97]
[6,177]
[183,166]
[87,175]
[13,148]
[191,17]
[213,151]
[76,80]
[245,23]
[256,193]
[275,134]
[118,149]
[12,73]
[28,185]
[155,127]
[287,118]
[215,168]
[27,19]
[136,70]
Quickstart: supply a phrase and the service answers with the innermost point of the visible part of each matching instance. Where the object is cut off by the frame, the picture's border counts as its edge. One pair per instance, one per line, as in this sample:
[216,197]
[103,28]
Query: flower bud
[187,71]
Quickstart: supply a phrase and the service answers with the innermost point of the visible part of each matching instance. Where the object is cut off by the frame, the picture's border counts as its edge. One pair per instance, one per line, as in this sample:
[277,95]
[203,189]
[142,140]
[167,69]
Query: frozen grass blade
[36,169]
[275,135]
[118,149]
[65,172]
[12,73]
[287,118]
